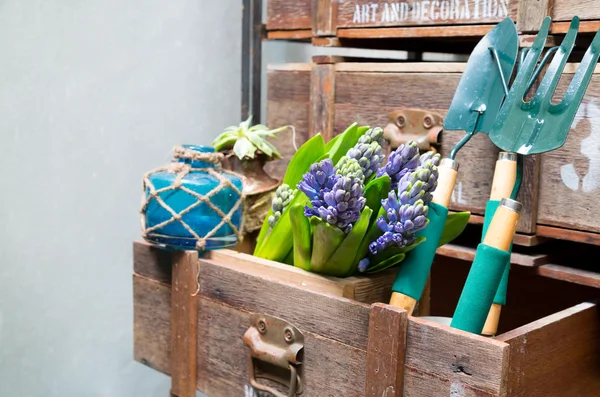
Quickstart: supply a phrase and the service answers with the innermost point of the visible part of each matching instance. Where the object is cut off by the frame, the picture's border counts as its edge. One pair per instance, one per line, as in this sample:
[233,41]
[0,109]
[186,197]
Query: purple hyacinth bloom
[342,205]
[317,181]
[363,265]
[403,160]
[367,152]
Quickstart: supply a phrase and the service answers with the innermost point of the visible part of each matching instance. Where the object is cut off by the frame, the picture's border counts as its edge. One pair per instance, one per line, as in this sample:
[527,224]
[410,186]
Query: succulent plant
[247,141]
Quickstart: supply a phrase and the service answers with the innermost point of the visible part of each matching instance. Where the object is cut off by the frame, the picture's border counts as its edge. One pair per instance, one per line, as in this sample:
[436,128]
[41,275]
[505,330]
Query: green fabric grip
[481,285]
[490,210]
[414,269]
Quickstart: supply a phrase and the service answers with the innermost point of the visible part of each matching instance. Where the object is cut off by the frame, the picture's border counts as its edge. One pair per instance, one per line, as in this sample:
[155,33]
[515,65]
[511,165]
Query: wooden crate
[364,19]
[559,189]
[354,349]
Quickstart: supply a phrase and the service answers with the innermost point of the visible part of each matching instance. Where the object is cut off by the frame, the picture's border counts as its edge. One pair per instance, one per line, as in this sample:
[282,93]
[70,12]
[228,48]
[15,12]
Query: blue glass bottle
[201,219]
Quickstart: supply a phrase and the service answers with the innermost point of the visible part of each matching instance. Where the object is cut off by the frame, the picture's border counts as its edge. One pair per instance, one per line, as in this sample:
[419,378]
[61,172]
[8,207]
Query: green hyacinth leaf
[455,225]
[307,154]
[302,237]
[373,232]
[326,240]
[393,251]
[342,261]
[348,139]
[278,242]
[375,191]
[386,264]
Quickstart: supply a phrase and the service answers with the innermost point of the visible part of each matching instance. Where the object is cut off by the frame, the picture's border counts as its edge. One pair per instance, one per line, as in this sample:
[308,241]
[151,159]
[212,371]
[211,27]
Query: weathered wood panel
[369,13]
[288,103]
[558,355]
[564,10]
[570,176]
[289,15]
[322,101]
[339,318]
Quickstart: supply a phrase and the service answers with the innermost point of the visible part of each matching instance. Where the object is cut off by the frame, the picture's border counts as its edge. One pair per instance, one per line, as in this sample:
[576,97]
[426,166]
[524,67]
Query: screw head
[427,122]
[262,326]
[288,335]
[400,121]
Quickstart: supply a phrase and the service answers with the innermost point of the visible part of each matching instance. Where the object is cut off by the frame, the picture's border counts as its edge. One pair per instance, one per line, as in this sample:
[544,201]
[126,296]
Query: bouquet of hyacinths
[342,209]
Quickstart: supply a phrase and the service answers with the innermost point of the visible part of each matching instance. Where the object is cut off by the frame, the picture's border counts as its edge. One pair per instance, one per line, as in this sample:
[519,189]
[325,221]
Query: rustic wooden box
[559,190]
[360,19]
[351,348]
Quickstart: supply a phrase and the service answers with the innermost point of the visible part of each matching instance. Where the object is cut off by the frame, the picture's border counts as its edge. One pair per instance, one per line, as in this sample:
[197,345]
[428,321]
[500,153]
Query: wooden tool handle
[403,302]
[505,176]
[447,174]
[502,229]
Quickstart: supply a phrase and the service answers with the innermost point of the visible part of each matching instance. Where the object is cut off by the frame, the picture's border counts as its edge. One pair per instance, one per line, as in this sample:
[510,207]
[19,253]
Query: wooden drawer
[560,188]
[549,343]
[362,19]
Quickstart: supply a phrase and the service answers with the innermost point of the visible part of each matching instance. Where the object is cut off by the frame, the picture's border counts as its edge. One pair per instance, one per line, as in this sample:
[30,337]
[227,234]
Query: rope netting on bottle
[183,169]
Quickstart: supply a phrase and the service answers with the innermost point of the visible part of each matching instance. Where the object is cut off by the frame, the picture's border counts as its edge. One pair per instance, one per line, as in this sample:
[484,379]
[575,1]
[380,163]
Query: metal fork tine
[526,70]
[552,76]
[582,77]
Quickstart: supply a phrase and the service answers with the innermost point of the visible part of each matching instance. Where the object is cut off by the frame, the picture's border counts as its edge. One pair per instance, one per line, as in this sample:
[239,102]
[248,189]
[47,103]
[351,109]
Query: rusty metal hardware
[275,342]
[408,124]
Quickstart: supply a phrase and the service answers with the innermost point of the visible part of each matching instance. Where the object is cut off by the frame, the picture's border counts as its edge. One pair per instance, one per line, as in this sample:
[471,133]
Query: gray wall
[93,93]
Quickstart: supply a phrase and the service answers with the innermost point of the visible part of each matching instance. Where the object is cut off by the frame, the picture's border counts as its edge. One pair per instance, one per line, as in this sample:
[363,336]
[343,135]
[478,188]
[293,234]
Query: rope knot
[216,158]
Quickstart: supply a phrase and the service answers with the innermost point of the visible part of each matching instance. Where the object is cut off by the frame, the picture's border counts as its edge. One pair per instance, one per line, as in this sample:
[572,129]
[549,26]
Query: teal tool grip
[490,210]
[414,270]
[481,285]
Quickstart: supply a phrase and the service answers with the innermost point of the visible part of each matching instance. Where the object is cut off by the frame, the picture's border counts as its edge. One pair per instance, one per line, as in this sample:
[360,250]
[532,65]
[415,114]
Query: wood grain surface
[289,15]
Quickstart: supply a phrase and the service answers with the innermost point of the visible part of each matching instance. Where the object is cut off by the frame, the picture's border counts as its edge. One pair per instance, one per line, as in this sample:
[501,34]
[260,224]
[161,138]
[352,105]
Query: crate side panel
[289,15]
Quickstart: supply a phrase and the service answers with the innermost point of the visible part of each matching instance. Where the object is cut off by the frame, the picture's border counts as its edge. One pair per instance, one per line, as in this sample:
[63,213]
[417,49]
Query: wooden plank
[289,67]
[414,32]
[584,26]
[337,318]
[564,273]
[386,351]
[289,15]
[326,42]
[566,234]
[529,194]
[322,98]
[301,34]
[184,323]
[442,361]
[568,345]
[152,261]
[408,67]
[152,324]
[328,367]
[564,10]
[374,287]
[531,14]
[570,178]
[324,17]
[369,13]
[468,254]
[327,59]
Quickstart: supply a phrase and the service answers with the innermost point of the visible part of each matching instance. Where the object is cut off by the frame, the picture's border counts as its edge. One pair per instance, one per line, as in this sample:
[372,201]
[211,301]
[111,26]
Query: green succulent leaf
[302,237]
[243,148]
[386,264]
[455,225]
[342,261]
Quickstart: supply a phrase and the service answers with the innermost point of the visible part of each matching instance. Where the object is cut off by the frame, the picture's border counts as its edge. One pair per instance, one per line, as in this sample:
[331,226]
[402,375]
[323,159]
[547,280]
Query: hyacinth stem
[326,240]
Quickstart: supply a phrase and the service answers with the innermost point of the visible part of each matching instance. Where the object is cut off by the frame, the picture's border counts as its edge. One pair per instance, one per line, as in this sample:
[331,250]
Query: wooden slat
[564,273]
[386,351]
[414,32]
[337,318]
[301,34]
[556,355]
[324,17]
[184,323]
[531,14]
[289,67]
[328,367]
[152,324]
[468,254]
[289,15]
[408,67]
[564,10]
[566,234]
[322,98]
[369,13]
[442,361]
[152,261]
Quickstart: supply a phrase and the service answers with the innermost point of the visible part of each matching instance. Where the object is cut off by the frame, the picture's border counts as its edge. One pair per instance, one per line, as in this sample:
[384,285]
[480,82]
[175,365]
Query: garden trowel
[477,100]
